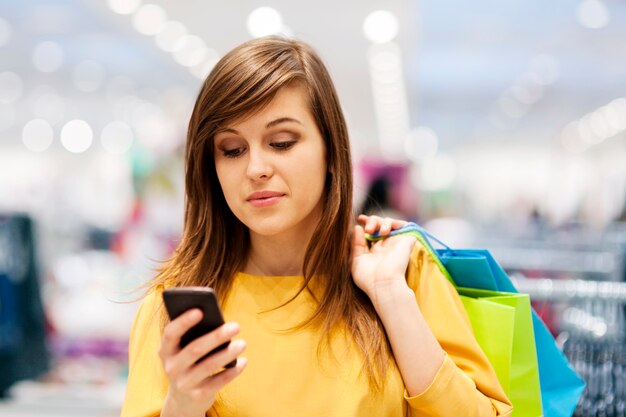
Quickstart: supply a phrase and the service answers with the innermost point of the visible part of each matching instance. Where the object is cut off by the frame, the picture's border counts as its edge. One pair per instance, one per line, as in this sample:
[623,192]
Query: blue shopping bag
[561,386]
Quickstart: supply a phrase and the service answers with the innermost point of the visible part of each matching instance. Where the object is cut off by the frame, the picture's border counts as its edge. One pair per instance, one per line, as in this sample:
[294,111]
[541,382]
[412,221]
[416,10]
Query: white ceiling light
[599,126]
[571,140]
[586,133]
[169,35]
[264,21]
[380,26]
[76,136]
[117,137]
[5,32]
[149,19]
[124,6]
[10,87]
[37,135]
[592,14]
[191,50]
[390,102]
[88,76]
[48,56]
[619,107]
[611,117]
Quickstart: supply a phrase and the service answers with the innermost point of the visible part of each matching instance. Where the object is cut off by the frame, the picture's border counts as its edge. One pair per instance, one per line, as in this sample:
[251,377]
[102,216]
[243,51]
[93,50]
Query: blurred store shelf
[571,290]
[37,399]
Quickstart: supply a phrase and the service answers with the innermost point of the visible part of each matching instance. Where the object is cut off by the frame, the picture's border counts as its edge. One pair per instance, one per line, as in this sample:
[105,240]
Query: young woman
[331,326]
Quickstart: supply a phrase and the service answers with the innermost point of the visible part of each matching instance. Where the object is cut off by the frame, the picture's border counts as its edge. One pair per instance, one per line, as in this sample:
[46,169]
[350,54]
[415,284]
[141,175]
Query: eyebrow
[267,126]
[281,120]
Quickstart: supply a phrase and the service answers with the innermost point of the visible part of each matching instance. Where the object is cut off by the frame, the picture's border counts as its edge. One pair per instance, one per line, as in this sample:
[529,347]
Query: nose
[259,165]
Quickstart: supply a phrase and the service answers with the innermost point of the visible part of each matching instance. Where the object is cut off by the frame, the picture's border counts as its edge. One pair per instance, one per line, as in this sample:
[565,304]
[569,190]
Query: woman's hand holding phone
[195,378]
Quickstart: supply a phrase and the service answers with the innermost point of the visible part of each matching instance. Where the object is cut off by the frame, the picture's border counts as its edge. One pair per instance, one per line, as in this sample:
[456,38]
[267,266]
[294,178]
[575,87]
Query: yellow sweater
[286,376]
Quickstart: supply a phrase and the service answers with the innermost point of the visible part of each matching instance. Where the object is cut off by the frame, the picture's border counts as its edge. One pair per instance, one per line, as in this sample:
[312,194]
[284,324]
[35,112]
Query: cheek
[226,182]
[313,174]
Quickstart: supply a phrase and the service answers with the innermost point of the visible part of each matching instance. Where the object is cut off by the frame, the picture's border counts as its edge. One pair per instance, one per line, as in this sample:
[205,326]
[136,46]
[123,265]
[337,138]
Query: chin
[268,228]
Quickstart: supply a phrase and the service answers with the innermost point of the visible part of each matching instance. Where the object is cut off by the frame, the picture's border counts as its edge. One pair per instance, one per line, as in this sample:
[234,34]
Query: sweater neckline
[252,276]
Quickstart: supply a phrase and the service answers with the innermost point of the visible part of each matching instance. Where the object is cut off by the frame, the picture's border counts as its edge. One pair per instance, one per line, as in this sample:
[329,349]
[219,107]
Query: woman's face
[272,166]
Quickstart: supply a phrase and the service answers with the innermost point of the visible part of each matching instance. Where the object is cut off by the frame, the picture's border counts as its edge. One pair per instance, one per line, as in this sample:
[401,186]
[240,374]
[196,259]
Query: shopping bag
[502,324]
[561,386]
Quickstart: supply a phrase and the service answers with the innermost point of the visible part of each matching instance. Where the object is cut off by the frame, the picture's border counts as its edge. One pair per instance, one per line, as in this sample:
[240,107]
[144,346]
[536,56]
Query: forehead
[289,101]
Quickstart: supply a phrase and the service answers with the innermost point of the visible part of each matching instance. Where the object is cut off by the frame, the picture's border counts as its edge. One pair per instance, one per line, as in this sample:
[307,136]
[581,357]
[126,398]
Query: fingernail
[238,345]
[195,314]
[231,327]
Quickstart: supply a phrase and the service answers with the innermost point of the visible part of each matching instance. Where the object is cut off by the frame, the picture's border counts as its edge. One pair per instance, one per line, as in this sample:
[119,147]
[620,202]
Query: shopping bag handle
[413,229]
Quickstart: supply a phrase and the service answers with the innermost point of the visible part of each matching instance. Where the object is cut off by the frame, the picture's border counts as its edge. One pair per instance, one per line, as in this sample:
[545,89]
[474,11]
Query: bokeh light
[149,19]
[264,21]
[124,6]
[380,26]
[190,51]
[592,14]
[37,135]
[76,136]
[170,34]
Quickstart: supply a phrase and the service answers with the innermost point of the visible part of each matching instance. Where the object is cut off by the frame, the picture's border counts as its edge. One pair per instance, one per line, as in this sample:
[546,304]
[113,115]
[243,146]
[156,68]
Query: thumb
[359,244]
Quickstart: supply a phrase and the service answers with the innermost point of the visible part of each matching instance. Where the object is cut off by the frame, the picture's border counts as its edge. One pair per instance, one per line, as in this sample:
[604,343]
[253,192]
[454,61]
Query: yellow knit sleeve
[466,384]
[147,384]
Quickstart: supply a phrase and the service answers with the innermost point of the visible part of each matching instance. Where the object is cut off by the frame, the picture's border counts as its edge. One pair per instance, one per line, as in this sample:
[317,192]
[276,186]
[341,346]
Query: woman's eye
[283,145]
[232,153]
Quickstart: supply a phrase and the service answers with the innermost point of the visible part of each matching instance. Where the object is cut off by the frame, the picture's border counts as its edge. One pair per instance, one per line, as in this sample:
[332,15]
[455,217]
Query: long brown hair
[215,243]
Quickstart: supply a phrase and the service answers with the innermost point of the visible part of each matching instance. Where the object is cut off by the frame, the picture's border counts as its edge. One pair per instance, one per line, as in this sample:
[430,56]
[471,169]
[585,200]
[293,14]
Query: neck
[277,255]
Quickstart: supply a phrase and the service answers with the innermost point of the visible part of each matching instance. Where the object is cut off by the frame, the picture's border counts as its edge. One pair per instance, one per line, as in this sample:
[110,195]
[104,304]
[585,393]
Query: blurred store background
[496,124]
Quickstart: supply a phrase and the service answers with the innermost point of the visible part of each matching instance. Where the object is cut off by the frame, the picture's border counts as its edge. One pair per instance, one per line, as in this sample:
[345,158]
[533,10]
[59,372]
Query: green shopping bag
[502,324]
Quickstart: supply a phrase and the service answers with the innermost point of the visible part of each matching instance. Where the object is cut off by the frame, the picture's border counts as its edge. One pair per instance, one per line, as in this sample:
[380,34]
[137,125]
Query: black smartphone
[180,299]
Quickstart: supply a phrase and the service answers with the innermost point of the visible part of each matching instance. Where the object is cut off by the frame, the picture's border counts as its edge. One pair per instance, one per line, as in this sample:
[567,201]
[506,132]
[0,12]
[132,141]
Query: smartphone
[177,300]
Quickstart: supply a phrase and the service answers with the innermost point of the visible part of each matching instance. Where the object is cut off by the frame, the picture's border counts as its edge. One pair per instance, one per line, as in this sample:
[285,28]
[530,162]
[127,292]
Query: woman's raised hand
[192,384]
[381,265]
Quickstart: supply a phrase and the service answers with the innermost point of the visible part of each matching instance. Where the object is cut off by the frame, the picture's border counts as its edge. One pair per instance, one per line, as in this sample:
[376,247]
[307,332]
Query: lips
[264,198]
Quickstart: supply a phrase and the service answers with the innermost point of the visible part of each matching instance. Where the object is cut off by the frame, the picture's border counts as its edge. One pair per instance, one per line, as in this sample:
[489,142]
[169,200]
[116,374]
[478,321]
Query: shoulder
[427,277]
[150,309]
[423,261]
[153,297]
